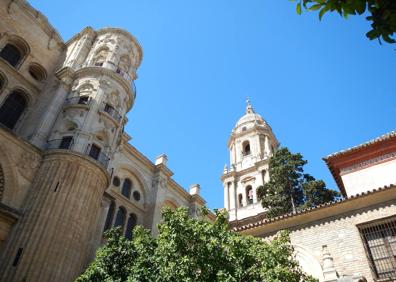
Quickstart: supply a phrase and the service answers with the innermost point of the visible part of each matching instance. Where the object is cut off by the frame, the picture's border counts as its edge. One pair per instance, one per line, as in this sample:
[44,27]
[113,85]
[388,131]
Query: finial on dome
[249,108]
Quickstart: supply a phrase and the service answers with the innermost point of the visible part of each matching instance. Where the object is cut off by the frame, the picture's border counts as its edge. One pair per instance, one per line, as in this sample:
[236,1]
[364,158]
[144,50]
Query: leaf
[322,12]
[360,6]
[298,8]
[315,7]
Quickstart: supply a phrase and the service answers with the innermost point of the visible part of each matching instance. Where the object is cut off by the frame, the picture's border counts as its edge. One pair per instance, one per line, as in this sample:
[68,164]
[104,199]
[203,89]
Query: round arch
[20,44]
[145,187]
[170,204]
[309,264]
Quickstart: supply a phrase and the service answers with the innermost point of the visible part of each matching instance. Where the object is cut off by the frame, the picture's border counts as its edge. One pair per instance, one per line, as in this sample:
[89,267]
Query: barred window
[380,243]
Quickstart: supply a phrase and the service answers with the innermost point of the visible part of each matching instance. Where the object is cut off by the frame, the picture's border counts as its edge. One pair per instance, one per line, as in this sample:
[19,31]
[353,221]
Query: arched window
[249,194]
[116,181]
[126,188]
[110,215]
[120,218]
[246,148]
[37,72]
[136,196]
[132,221]
[240,200]
[12,109]
[12,54]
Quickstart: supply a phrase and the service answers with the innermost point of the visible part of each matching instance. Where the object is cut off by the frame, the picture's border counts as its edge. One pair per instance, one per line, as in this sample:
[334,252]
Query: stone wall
[341,236]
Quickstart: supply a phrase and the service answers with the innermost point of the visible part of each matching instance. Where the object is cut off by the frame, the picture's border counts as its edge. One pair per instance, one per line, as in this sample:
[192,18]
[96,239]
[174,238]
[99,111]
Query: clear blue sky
[322,86]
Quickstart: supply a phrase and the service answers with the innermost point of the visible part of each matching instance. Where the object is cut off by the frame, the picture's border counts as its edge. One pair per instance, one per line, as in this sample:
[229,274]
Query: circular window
[136,196]
[37,72]
[116,181]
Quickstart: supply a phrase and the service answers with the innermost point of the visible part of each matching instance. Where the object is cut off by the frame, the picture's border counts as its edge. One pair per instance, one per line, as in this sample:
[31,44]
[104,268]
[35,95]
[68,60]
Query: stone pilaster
[51,242]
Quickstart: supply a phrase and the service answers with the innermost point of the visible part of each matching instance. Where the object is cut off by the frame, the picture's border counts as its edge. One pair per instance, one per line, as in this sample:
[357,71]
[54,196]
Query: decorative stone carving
[27,164]
[329,272]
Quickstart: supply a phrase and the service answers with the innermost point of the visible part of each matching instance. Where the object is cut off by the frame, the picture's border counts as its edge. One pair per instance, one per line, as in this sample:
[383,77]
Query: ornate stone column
[52,240]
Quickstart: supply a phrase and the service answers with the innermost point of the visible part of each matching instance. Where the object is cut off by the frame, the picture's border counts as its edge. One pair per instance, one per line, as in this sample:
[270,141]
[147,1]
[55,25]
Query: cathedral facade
[67,171]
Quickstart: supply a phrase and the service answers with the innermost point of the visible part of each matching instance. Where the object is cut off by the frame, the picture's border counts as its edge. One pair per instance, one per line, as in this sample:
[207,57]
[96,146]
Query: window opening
[380,244]
[12,109]
[240,200]
[136,196]
[66,143]
[126,188]
[83,100]
[120,218]
[132,221]
[94,152]
[11,54]
[249,194]
[110,215]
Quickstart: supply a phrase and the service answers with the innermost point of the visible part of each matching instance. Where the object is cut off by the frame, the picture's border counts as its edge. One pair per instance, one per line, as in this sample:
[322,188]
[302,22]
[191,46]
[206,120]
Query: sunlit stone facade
[67,171]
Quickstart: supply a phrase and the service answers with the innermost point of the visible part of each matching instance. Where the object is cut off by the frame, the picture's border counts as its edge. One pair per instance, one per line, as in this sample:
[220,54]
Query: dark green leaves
[289,189]
[192,249]
[382,14]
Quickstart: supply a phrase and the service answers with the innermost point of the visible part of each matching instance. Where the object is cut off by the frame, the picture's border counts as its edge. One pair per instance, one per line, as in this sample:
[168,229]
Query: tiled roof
[260,220]
[368,143]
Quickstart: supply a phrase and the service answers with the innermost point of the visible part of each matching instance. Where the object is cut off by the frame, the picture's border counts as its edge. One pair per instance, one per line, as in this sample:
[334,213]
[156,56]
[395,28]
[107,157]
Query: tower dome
[249,120]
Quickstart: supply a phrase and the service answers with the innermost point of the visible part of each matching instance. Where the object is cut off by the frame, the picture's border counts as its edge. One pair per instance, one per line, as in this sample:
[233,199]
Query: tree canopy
[381,14]
[289,188]
[193,249]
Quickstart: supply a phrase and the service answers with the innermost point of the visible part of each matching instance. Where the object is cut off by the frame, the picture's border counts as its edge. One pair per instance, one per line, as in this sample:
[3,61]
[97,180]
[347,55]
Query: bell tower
[251,144]
[54,238]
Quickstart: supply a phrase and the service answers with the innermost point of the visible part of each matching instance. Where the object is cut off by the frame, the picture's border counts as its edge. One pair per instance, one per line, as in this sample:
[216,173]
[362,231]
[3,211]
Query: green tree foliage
[381,14]
[289,189]
[193,249]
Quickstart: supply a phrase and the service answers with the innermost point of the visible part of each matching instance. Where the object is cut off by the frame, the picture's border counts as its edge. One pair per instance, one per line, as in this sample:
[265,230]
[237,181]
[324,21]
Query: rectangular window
[380,244]
[83,100]
[66,142]
[109,109]
[94,152]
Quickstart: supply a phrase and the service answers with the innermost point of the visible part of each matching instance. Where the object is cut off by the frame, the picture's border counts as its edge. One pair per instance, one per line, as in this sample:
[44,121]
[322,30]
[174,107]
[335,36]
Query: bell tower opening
[246,148]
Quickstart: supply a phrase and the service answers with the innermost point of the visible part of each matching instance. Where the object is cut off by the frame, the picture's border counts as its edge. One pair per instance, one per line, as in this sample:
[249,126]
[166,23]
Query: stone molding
[368,163]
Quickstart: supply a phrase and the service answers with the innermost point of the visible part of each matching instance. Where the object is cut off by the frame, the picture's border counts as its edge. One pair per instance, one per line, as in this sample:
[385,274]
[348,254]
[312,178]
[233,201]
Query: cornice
[239,173]
[257,129]
[172,184]
[363,200]
[130,149]
[59,153]
[378,147]
[197,199]
[379,139]
[77,36]
[14,72]
[41,20]
[126,34]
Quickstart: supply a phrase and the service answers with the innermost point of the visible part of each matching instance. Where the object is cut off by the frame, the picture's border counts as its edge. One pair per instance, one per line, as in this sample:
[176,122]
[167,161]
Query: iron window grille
[380,244]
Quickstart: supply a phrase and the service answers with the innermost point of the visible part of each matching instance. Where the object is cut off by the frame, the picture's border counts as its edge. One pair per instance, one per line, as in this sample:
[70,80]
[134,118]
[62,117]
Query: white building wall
[374,174]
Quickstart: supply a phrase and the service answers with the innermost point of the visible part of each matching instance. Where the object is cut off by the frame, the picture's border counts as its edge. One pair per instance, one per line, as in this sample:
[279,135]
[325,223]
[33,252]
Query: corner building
[67,171]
